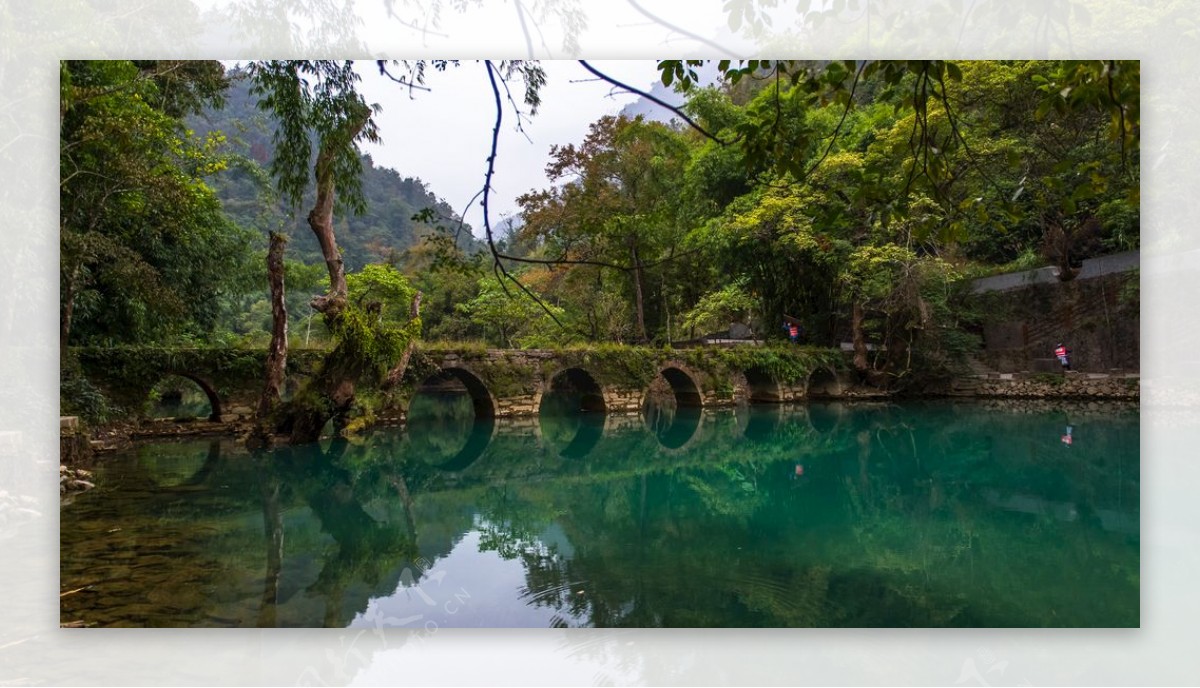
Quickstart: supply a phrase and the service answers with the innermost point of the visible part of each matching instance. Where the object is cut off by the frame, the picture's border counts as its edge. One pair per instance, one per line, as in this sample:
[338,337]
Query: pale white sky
[444,136]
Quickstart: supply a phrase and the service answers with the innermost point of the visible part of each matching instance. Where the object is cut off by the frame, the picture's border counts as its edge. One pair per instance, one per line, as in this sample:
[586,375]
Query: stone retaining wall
[1098,318]
[1077,408]
[74,448]
[1093,267]
[1048,386]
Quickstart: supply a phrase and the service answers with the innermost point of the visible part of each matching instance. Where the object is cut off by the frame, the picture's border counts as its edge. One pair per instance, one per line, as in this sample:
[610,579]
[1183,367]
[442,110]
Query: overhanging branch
[657,101]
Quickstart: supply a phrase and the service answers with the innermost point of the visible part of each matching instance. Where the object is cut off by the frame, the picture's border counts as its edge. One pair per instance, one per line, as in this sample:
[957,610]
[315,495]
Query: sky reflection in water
[928,514]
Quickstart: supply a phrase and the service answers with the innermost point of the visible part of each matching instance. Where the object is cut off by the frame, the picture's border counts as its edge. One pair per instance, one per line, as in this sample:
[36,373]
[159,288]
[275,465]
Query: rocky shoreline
[73,480]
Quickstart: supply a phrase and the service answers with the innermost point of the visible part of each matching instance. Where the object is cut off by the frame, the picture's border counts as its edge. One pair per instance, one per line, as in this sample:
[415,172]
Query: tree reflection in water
[927,515]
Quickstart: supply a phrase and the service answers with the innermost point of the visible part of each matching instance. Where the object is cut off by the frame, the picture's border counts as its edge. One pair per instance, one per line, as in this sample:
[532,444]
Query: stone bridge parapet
[501,382]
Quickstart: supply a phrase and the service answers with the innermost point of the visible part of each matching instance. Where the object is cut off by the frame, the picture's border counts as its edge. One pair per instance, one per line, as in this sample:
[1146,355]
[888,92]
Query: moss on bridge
[506,373]
[126,375]
[790,365]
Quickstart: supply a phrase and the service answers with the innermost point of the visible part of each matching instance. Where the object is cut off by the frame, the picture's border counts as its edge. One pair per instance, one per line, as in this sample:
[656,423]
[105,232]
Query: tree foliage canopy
[146,251]
[852,196]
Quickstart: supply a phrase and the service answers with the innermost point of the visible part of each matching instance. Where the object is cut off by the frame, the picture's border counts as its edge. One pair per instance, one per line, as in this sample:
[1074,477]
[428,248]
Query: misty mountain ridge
[386,228]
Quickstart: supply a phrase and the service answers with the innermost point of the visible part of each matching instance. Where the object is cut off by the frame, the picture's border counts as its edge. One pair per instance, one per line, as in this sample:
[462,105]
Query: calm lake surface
[922,514]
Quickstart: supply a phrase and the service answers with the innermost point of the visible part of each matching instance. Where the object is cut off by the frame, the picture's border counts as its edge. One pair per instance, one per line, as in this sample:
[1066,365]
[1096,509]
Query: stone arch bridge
[501,383]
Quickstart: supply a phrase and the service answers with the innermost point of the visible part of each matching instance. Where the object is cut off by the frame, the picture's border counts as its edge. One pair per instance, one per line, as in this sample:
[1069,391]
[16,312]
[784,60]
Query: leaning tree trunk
[320,220]
[335,387]
[397,371]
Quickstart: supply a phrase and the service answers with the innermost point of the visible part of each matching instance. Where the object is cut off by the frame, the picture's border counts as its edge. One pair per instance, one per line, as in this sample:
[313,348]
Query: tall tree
[614,208]
[146,252]
[318,100]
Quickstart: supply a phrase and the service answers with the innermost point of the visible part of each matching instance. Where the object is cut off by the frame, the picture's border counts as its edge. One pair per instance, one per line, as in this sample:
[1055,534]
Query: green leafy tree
[146,253]
[769,241]
[446,278]
[614,209]
[512,322]
[991,142]
[319,101]
[718,308]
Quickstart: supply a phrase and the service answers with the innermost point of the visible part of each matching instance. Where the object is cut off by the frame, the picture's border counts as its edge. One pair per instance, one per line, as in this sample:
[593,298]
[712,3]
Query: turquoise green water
[924,514]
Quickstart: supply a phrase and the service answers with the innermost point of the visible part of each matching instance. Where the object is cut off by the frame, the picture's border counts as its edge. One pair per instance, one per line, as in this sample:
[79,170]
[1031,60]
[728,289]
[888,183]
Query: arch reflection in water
[672,408]
[824,417]
[572,413]
[673,426]
[759,423]
[449,426]
[188,466]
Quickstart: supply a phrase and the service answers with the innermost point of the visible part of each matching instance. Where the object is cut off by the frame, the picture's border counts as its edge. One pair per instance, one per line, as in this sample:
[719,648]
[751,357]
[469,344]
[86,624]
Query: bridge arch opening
[456,382]
[180,395]
[450,420]
[575,387]
[672,408]
[761,387]
[572,413]
[682,387]
[823,383]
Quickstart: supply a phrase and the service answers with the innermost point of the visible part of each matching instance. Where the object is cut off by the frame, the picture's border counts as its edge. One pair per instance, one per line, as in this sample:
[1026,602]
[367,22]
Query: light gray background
[34,36]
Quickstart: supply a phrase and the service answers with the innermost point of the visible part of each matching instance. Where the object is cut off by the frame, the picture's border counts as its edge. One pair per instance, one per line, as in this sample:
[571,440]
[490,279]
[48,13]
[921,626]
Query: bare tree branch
[684,32]
[408,82]
[657,101]
[524,29]
[497,267]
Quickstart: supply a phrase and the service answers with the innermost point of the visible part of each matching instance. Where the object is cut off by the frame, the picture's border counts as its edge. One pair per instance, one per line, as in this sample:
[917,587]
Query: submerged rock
[73,480]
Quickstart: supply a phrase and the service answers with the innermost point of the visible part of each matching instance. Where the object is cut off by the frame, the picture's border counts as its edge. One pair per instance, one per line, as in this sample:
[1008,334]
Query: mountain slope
[387,227]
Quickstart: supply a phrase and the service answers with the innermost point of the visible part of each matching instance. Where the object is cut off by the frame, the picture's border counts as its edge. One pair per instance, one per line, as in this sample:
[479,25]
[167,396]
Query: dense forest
[853,198]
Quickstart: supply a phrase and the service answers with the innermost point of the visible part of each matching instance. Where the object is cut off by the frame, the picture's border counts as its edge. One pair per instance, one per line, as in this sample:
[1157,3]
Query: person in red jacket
[1064,356]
